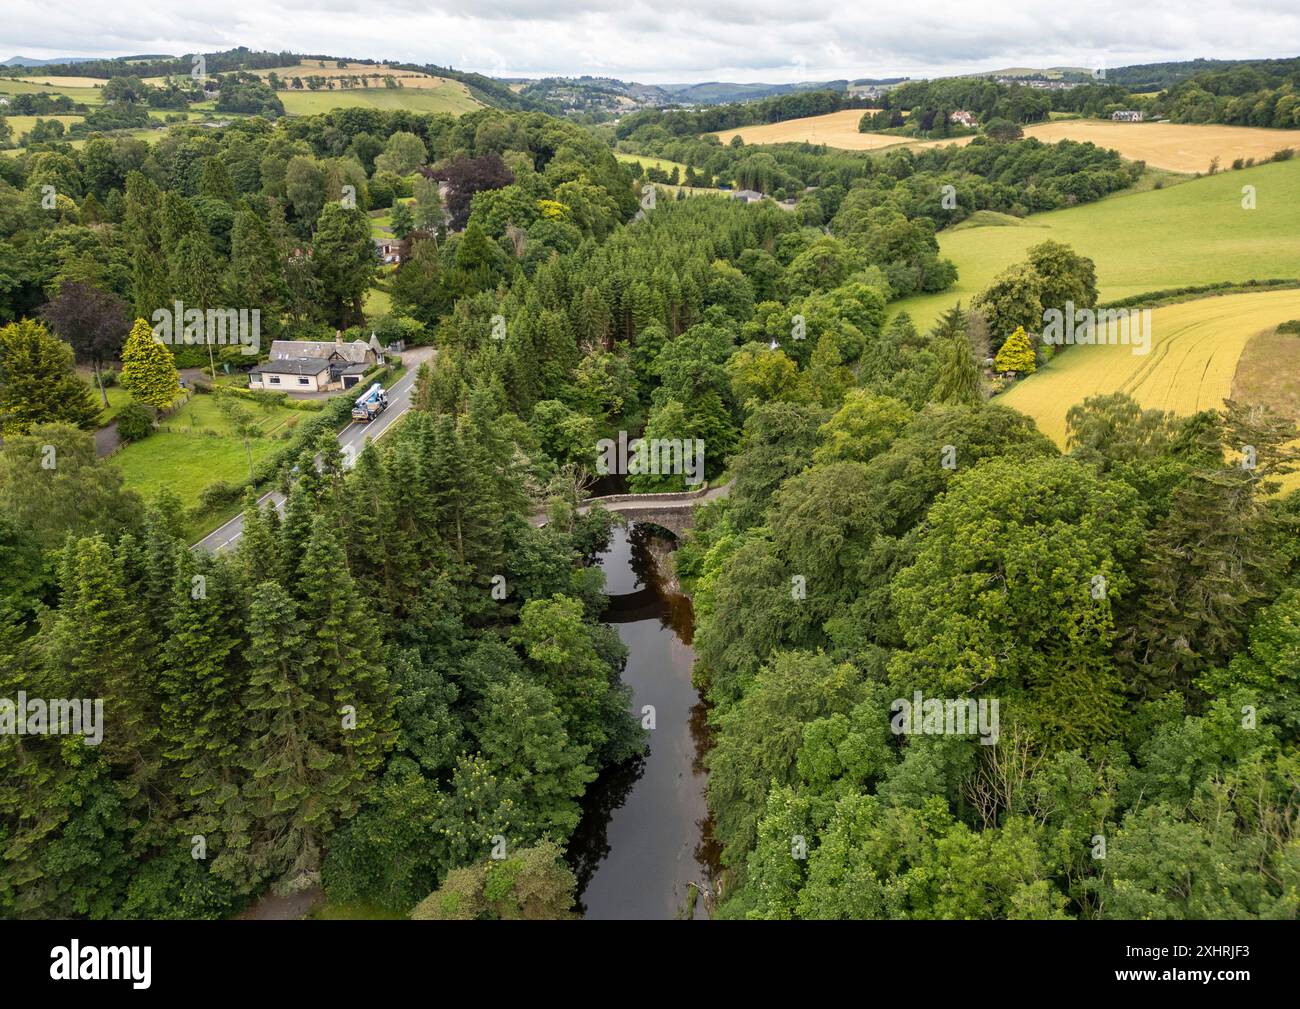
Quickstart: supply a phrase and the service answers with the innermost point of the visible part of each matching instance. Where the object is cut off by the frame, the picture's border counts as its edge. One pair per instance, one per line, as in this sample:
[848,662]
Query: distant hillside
[722,93]
[27,61]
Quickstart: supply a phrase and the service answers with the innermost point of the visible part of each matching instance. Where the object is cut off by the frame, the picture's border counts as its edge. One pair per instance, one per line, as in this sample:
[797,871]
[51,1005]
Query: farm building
[962,117]
[748,195]
[310,366]
[1127,116]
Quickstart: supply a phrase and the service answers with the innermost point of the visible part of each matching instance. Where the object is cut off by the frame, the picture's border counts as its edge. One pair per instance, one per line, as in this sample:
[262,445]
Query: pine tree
[1212,561]
[215,182]
[142,228]
[346,661]
[259,545]
[201,683]
[294,777]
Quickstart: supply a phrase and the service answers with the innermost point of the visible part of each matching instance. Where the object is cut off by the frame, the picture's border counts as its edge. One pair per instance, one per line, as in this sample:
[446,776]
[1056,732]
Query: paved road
[352,439]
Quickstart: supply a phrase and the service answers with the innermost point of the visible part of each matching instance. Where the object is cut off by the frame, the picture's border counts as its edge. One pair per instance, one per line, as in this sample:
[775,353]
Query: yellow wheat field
[1177,147]
[66,82]
[356,71]
[1195,347]
[835,129]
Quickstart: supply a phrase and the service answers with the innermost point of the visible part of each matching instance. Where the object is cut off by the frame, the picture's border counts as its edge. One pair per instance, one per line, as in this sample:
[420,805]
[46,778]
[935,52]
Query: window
[304,381]
[275,379]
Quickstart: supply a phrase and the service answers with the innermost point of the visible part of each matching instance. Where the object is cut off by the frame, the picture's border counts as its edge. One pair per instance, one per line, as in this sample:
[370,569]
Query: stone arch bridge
[674,511]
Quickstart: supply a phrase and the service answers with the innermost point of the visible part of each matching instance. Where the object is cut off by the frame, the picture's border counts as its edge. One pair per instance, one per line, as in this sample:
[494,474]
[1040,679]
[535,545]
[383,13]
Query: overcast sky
[671,40]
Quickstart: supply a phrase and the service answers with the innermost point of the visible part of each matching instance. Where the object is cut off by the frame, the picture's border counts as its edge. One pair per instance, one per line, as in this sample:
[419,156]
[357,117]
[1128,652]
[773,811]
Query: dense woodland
[350,697]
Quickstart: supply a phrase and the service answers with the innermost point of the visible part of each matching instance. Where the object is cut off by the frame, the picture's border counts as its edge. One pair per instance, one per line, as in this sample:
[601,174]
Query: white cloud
[669,40]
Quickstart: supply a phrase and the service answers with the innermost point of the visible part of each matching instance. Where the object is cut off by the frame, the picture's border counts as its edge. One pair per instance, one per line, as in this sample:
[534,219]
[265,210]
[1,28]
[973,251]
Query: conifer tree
[959,376]
[38,384]
[294,777]
[142,228]
[345,661]
[201,683]
[258,551]
[256,278]
[1017,354]
[148,368]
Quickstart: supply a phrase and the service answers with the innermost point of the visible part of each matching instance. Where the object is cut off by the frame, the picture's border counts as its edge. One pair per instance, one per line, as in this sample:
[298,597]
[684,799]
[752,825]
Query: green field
[1193,233]
[89,96]
[23,124]
[197,446]
[451,97]
[648,162]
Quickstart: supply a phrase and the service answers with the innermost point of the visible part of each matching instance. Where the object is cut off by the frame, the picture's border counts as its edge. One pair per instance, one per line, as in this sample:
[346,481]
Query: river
[645,834]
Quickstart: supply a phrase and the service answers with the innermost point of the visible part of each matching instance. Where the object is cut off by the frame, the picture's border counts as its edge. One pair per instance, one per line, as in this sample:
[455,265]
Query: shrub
[219,494]
[135,421]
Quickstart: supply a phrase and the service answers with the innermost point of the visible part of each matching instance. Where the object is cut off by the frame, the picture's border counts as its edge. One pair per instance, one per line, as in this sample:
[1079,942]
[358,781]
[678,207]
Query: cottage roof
[292,366]
[354,352]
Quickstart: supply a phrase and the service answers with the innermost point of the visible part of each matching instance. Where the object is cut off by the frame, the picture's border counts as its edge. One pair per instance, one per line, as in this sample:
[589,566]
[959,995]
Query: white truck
[370,404]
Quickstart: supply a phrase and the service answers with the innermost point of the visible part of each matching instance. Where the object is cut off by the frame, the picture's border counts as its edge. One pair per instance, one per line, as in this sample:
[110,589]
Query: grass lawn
[1194,233]
[376,303]
[117,398]
[381,221]
[649,162]
[197,446]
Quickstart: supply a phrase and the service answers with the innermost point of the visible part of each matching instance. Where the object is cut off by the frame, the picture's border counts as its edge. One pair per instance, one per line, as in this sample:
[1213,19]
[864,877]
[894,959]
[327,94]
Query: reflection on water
[645,836]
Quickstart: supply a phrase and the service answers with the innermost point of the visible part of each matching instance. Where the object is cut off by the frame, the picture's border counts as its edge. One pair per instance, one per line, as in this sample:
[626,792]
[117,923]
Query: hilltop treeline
[1264,93]
[776,109]
[250,202]
[1017,177]
[239,58]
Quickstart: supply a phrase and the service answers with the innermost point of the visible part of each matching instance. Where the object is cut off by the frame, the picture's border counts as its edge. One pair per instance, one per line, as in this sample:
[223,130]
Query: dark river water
[645,835]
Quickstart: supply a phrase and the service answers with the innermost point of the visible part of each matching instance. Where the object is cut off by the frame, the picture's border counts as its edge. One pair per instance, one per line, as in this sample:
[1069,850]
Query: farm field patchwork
[1189,234]
[1191,365]
[1177,147]
[448,96]
[18,86]
[835,129]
